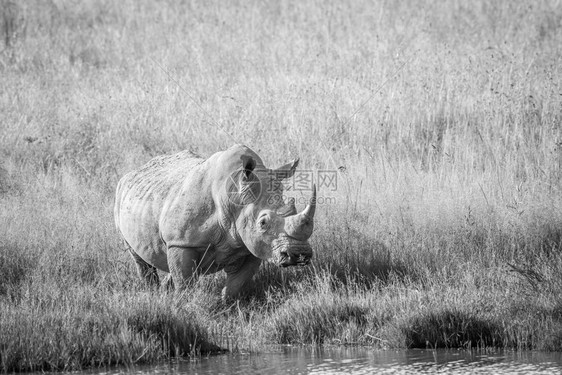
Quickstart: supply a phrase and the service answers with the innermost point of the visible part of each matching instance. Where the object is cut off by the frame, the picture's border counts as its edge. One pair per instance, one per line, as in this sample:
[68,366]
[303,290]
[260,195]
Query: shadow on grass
[452,329]
[369,262]
[15,267]
[176,337]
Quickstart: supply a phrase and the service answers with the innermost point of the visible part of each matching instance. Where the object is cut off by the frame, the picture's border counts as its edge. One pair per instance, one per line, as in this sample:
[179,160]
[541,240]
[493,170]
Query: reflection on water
[289,360]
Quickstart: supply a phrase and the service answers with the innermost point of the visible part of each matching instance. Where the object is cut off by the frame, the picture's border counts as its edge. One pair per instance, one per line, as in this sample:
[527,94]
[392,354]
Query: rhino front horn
[300,226]
[311,206]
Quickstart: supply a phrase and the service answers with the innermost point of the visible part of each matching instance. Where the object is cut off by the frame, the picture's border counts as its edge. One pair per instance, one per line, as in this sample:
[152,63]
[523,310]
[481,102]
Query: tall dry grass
[442,120]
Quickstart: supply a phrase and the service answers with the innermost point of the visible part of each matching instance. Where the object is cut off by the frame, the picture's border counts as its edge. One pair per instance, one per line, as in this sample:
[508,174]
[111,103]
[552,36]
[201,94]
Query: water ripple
[289,360]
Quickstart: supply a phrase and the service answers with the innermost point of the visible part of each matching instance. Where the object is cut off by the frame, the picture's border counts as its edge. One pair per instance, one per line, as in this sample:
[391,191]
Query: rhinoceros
[187,216]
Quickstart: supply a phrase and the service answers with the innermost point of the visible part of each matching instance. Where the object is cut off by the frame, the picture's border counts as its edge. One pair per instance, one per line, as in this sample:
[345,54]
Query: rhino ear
[287,170]
[249,189]
[248,164]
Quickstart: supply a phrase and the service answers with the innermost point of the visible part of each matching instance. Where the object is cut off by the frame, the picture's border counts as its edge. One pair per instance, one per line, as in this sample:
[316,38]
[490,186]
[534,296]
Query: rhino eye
[262,222]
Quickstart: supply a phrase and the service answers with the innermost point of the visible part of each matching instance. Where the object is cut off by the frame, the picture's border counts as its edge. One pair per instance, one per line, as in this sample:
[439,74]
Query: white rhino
[187,215]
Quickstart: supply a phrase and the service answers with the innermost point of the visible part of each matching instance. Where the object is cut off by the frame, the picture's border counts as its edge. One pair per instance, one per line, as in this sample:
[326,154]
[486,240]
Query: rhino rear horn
[292,208]
[289,209]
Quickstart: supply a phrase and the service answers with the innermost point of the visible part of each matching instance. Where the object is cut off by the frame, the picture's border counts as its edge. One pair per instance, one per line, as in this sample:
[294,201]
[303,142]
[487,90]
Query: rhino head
[269,227]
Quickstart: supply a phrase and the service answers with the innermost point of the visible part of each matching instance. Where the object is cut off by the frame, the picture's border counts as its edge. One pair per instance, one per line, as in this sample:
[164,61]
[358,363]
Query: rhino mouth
[289,251]
[287,260]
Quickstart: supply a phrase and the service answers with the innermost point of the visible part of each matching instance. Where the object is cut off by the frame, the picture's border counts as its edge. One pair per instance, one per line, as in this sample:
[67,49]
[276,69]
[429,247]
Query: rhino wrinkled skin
[187,215]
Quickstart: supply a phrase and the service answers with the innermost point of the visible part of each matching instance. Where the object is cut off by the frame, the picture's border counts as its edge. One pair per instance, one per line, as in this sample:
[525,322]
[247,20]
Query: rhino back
[142,197]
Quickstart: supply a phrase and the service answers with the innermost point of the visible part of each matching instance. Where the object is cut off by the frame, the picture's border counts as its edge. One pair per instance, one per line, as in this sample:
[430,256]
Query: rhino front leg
[238,275]
[182,263]
[147,272]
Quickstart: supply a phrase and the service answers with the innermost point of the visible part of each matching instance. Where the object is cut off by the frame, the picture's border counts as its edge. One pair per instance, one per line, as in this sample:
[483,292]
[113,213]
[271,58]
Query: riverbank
[432,131]
[72,313]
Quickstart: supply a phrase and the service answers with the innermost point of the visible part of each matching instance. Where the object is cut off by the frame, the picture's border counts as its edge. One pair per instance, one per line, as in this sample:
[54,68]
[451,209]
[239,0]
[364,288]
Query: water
[290,360]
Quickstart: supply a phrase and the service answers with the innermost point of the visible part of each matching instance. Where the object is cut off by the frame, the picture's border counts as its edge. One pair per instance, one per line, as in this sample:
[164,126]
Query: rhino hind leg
[183,264]
[145,270]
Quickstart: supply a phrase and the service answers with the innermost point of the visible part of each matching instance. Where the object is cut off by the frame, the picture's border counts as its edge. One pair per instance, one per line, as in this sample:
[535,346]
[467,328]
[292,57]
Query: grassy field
[443,121]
